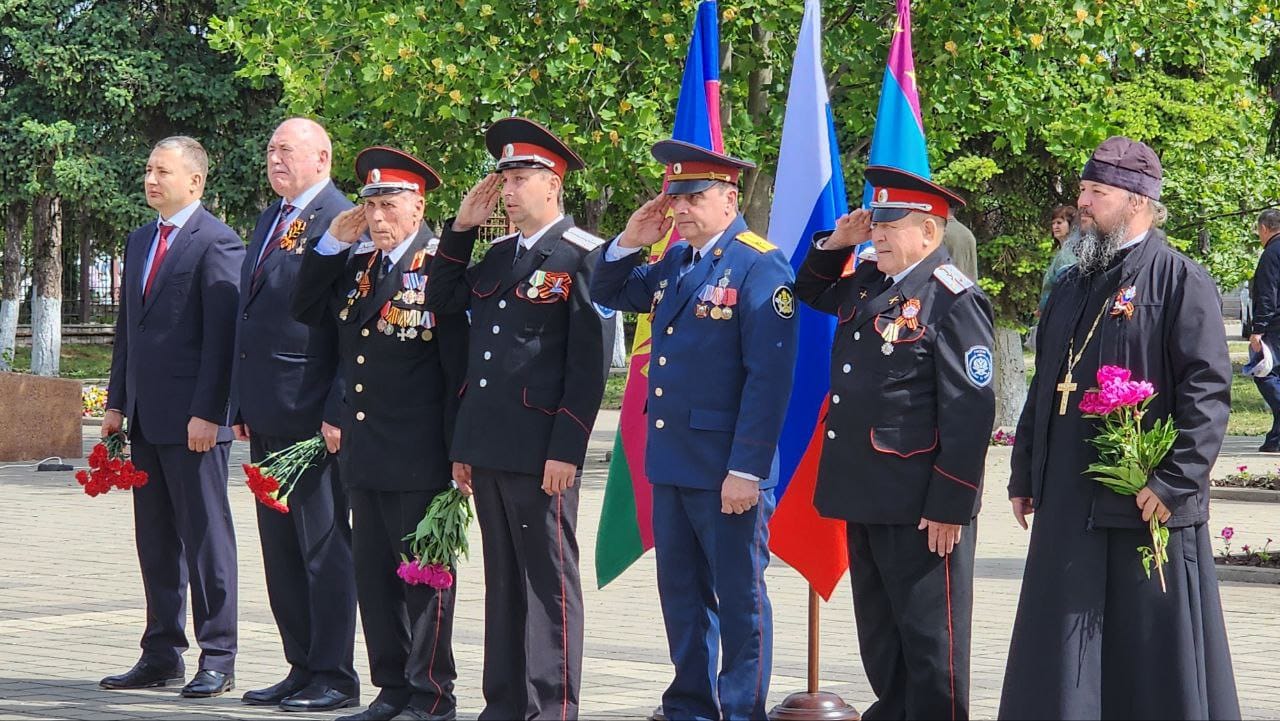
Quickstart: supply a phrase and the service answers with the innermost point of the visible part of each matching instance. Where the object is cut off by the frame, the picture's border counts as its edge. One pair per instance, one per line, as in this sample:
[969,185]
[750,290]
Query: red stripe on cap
[884,197]
[515,150]
[396,175]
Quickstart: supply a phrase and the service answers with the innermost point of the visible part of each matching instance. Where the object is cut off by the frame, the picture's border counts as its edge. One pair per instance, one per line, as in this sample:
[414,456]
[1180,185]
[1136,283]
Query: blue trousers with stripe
[711,583]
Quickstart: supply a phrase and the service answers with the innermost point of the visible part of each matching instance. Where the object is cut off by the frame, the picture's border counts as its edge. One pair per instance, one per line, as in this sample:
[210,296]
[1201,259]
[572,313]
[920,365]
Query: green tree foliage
[1015,96]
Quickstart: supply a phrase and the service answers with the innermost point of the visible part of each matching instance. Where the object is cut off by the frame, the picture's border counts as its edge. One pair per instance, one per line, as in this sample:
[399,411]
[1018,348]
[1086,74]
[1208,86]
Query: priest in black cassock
[1094,637]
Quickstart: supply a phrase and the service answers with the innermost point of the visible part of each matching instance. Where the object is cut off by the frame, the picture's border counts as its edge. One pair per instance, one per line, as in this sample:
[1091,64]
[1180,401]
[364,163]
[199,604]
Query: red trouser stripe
[951,641]
[564,608]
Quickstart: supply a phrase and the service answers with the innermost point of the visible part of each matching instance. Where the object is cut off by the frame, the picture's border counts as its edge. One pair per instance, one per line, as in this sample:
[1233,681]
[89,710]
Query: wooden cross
[1065,388]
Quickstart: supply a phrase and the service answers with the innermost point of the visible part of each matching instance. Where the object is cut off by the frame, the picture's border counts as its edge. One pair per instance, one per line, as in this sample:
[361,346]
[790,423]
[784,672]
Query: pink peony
[1108,374]
[1242,469]
[1093,404]
[439,577]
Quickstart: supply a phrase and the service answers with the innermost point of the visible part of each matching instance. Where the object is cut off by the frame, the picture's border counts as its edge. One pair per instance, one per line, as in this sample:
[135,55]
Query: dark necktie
[520,250]
[162,249]
[273,240]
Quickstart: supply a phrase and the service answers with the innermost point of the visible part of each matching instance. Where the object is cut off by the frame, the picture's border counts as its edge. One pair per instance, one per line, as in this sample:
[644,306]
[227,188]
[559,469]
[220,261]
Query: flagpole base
[819,706]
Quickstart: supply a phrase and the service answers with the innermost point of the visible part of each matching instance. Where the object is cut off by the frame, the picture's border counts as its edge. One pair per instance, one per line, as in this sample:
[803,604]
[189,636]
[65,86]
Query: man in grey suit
[170,377]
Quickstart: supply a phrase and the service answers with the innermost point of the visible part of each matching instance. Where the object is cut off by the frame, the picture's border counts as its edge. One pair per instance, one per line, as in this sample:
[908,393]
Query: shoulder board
[755,242]
[432,246]
[364,246]
[582,239]
[868,254]
[495,241]
[953,279]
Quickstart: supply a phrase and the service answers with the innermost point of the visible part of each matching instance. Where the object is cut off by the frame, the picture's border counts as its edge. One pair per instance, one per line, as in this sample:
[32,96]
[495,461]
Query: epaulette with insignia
[495,241]
[953,279]
[755,242]
[868,254]
[364,246]
[582,238]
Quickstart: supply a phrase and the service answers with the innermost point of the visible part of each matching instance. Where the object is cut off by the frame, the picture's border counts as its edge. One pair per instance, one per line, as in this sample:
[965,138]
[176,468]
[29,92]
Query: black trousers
[533,597]
[408,629]
[914,612]
[182,526]
[306,554]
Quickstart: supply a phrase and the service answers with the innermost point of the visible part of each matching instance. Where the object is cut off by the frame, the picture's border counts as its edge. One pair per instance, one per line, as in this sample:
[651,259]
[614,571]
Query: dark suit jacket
[1265,291]
[173,351]
[536,371]
[907,431]
[285,379]
[400,382]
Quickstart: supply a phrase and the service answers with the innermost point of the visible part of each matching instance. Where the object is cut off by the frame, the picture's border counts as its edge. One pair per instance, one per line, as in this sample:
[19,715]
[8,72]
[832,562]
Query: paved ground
[71,609]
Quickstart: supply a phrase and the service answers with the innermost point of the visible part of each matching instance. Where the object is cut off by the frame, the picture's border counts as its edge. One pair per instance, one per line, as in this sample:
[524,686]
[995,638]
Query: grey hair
[1159,211]
[1269,219]
[191,151]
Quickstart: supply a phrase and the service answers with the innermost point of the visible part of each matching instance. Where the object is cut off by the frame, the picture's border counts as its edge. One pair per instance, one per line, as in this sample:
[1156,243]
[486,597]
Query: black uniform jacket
[536,369]
[1174,338]
[284,382]
[401,366]
[907,430]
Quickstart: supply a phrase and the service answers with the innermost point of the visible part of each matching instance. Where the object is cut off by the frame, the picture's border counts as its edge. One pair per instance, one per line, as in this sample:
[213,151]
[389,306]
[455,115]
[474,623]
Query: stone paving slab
[71,608]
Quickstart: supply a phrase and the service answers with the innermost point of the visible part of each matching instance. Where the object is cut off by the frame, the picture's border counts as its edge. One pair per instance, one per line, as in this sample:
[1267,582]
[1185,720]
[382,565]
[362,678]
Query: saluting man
[285,390]
[908,426]
[724,347]
[535,379]
[402,367]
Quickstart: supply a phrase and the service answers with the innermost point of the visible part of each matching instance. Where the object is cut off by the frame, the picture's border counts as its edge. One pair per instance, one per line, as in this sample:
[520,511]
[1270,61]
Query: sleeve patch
[784,302]
[978,366]
[582,239]
[951,277]
[755,242]
[604,312]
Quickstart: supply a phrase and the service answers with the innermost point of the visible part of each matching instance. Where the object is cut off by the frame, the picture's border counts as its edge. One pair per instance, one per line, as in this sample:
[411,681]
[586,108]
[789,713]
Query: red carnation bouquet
[110,467]
[1128,455]
[437,542]
[274,477]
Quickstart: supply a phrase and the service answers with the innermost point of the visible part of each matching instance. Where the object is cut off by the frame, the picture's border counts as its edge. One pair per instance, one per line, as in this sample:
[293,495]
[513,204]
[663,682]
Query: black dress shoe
[1268,448]
[144,675]
[273,695]
[209,683]
[318,697]
[416,714]
[377,711]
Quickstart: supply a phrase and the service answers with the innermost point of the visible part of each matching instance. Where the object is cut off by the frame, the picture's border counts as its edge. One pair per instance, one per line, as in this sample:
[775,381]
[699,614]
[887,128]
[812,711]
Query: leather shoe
[377,711]
[1267,448]
[273,695]
[318,697]
[209,683]
[416,714]
[144,675]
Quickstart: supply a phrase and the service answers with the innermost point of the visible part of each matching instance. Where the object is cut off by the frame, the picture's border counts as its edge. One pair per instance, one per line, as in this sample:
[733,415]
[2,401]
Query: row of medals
[717,311]
[406,321]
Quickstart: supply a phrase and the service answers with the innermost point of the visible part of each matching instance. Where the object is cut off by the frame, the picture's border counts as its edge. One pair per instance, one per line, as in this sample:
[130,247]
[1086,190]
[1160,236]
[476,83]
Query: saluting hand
[479,203]
[557,477]
[648,225]
[943,537]
[851,229]
[349,225]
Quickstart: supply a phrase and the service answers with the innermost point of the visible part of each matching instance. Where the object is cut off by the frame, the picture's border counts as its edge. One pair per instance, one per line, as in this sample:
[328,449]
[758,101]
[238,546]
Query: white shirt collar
[897,277]
[181,217]
[305,197]
[396,253]
[1135,240]
[528,242]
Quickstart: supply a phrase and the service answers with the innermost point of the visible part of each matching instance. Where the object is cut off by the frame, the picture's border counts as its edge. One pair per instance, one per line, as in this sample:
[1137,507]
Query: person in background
[1265,327]
[1060,221]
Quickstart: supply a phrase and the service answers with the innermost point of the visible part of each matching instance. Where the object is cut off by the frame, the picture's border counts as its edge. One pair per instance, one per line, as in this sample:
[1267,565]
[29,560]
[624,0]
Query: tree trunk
[757,185]
[15,226]
[46,292]
[86,262]
[1011,377]
[593,211]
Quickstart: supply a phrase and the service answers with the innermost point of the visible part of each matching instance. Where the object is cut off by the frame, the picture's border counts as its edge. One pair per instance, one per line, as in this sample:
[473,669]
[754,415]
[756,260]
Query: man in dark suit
[402,368]
[909,423]
[724,350]
[1265,327]
[534,383]
[285,390]
[170,376]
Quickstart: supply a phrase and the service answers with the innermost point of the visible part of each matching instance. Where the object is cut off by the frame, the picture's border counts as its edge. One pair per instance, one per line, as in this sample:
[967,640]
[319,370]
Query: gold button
[659,423]
[360,416]
[364,332]
[662,360]
[359,388]
[360,359]
[657,392]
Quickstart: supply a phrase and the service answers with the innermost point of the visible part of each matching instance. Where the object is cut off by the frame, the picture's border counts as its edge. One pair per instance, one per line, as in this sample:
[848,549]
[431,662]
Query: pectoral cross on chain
[1065,388]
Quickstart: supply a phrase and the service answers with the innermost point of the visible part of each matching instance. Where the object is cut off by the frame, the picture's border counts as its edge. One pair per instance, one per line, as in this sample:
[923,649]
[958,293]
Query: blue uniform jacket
[718,387]
[172,354]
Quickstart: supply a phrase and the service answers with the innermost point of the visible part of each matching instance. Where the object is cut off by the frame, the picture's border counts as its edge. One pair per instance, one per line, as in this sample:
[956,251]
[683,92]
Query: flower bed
[1248,556]
[94,401]
[1001,438]
[1269,481]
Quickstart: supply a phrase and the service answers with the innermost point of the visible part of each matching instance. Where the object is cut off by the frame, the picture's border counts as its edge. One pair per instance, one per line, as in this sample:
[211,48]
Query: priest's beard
[1094,251]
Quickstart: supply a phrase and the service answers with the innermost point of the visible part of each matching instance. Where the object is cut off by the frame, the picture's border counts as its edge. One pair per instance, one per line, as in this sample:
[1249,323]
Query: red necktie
[162,247]
[274,240]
